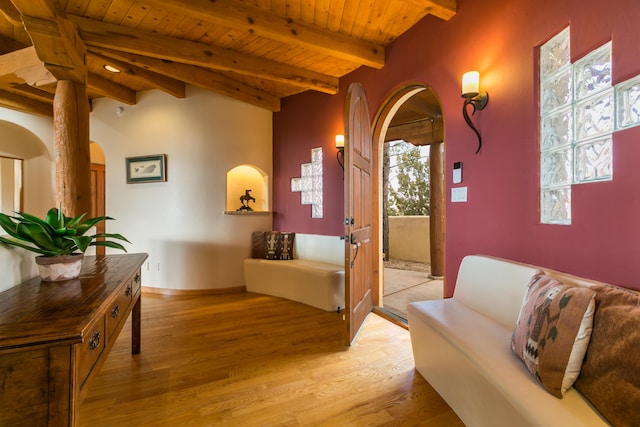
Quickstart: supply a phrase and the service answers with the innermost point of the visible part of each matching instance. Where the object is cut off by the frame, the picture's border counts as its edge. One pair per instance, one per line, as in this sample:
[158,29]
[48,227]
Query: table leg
[136,326]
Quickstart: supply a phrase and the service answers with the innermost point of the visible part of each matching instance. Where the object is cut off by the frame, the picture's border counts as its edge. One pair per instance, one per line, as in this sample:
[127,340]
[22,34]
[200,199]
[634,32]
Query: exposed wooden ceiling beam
[24,104]
[9,45]
[9,11]
[55,39]
[111,89]
[33,93]
[24,66]
[99,34]
[167,84]
[241,16]
[443,9]
[198,76]
[422,132]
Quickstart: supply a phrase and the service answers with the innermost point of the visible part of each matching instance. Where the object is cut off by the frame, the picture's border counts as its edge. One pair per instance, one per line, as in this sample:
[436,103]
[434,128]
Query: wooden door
[358,207]
[98,199]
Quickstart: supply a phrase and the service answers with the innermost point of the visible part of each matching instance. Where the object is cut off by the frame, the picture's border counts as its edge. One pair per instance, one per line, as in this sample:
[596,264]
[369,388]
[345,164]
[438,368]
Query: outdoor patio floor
[404,286]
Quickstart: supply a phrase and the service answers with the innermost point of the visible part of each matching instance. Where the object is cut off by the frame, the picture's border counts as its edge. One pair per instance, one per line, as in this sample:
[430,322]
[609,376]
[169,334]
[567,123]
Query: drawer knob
[127,291]
[137,278]
[94,342]
[115,311]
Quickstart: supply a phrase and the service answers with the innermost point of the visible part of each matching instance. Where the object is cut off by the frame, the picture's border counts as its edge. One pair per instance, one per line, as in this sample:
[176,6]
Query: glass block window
[579,112]
[592,160]
[309,184]
[556,205]
[577,119]
[592,73]
[556,130]
[627,95]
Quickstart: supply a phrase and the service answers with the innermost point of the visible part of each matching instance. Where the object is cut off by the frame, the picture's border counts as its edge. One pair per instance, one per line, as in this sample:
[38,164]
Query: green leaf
[8,225]
[53,218]
[28,218]
[82,242]
[27,247]
[109,244]
[65,232]
[110,236]
[85,226]
[74,222]
[36,234]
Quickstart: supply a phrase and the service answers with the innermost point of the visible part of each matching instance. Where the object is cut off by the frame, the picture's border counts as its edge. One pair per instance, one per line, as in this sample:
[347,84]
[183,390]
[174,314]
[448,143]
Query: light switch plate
[459,194]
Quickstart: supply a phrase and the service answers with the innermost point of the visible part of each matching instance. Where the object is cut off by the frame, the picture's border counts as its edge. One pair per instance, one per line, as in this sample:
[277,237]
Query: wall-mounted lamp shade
[339,141]
[470,84]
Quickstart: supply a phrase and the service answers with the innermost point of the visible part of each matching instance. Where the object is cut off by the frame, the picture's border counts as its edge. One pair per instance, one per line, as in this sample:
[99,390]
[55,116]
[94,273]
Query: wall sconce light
[111,68]
[472,96]
[340,147]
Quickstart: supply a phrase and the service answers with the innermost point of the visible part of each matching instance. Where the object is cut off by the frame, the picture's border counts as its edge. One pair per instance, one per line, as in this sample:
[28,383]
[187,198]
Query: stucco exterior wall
[409,238]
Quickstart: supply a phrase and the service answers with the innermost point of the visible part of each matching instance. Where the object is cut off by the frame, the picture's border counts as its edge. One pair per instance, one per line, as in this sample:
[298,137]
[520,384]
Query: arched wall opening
[38,195]
[38,183]
[405,100]
[247,189]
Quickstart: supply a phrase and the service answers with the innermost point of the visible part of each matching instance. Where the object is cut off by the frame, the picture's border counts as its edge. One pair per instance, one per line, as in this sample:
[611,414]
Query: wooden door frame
[98,200]
[380,125]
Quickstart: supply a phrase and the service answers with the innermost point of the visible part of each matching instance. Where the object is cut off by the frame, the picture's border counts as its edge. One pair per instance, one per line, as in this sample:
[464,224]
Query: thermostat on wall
[457,172]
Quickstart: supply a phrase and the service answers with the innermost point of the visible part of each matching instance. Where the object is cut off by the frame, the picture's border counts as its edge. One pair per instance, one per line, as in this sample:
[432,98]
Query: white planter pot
[59,268]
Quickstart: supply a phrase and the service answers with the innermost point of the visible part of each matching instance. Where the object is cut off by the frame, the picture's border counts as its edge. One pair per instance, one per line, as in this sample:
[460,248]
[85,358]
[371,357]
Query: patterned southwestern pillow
[553,331]
[280,245]
[610,376]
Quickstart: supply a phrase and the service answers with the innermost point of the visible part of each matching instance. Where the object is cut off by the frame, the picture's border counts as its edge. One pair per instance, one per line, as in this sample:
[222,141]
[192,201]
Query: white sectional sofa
[462,348]
[314,277]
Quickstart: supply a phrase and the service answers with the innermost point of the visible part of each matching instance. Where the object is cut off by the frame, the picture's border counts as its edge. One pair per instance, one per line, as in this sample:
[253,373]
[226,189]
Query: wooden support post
[71,142]
[437,204]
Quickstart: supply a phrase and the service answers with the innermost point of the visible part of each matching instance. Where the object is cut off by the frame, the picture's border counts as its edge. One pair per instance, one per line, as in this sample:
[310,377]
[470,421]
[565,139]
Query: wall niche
[247,191]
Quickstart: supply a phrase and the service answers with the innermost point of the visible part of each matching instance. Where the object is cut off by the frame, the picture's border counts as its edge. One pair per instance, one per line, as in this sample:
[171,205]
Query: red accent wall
[501,217]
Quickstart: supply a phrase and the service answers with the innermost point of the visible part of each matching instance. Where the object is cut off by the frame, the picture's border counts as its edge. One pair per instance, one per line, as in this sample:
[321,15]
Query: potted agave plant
[60,240]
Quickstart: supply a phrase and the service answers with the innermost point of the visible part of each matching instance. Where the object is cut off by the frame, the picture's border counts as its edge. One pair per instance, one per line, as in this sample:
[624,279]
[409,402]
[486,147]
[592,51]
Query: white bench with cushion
[462,347]
[315,275]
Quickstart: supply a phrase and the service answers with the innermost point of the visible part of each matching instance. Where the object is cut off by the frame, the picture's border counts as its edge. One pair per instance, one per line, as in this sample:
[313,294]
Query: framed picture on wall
[146,168]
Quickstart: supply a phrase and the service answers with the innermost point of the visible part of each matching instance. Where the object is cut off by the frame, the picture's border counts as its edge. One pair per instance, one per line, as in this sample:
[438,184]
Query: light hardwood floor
[254,360]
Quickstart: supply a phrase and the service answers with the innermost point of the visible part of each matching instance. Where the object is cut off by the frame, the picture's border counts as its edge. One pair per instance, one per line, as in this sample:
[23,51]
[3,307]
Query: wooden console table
[54,337]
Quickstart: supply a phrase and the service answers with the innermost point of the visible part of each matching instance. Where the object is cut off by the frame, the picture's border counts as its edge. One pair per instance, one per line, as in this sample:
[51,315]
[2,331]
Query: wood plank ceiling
[258,51]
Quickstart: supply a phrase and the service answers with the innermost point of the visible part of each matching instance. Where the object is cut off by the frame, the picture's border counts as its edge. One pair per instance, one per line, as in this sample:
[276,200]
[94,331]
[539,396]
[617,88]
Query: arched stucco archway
[18,265]
[385,116]
[38,167]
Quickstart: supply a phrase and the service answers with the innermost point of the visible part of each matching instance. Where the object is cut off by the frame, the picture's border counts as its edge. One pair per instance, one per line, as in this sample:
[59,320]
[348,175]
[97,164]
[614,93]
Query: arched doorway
[411,113]
[36,193]
[37,177]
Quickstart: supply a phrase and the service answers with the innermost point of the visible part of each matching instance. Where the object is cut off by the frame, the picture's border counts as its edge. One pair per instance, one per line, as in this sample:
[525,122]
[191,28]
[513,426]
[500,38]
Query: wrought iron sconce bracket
[477,102]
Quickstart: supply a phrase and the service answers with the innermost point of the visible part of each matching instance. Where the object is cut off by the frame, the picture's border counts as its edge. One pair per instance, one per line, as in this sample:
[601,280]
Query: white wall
[179,223]
[30,138]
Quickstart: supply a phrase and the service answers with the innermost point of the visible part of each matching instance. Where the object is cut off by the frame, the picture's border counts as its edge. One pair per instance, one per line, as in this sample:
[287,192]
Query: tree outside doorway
[409,187]
[406,182]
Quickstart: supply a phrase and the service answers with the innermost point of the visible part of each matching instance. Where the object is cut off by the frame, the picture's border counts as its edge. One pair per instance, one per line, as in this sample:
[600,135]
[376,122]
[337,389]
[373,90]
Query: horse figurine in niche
[246,197]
